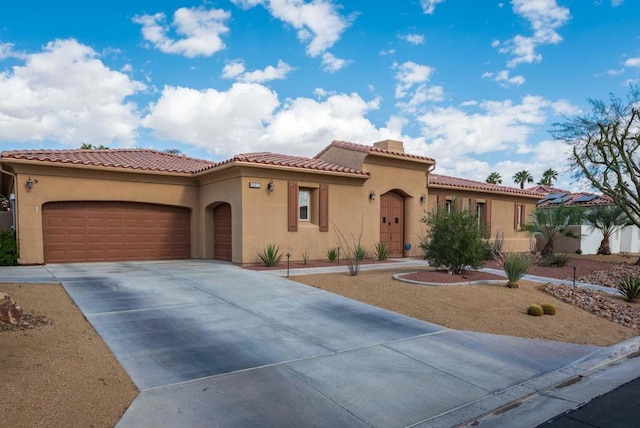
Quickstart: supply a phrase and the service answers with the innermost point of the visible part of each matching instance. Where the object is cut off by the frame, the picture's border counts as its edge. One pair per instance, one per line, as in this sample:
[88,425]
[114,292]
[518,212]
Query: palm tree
[608,219]
[548,177]
[494,178]
[522,177]
[552,224]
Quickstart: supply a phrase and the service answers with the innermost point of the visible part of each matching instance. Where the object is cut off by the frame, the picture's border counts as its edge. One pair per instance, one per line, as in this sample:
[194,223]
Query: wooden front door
[392,222]
[222,232]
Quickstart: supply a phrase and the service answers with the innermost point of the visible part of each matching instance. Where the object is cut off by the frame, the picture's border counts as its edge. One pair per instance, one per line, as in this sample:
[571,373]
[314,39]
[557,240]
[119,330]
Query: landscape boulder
[10,312]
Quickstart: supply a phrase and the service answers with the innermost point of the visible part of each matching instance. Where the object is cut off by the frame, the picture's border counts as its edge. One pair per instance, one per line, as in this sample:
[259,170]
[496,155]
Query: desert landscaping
[56,371]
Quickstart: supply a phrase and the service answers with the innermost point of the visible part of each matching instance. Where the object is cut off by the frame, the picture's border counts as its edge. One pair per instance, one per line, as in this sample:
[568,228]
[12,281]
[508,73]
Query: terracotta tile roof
[137,159]
[372,150]
[463,183]
[268,158]
[541,188]
[582,199]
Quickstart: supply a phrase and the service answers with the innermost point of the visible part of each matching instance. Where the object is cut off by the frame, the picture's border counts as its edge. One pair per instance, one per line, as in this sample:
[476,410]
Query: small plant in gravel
[629,287]
[555,260]
[360,253]
[305,257]
[515,265]
[332,254]
[548,308]
[535,310]
[271,255]
[382,251]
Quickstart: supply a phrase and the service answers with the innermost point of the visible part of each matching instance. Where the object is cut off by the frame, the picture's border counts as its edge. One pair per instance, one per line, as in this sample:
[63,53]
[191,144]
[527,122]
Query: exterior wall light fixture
[29,183]
[372,195]
[423,198]
[271,186]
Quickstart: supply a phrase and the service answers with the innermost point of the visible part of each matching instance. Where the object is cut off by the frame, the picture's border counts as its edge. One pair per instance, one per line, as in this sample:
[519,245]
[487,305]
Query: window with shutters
[308,204]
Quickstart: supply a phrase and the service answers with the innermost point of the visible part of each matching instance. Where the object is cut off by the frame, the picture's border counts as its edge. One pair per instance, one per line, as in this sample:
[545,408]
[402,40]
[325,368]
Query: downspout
[12,200]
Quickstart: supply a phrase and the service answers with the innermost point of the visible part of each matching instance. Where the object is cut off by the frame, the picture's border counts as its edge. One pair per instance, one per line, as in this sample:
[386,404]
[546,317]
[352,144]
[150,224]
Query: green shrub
[515,265]
[548,308]
[8,249]
[305,257]
[271,255]
[360,253]
[332,254]
[555,260]
[535,310]
[629,287]
[382,251]
[455,241]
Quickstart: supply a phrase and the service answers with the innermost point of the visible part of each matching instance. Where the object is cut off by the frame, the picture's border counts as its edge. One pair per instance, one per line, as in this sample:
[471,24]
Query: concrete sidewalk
[209,343]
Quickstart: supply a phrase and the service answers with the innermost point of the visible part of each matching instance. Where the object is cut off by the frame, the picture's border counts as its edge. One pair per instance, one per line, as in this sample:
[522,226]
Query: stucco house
[140,204]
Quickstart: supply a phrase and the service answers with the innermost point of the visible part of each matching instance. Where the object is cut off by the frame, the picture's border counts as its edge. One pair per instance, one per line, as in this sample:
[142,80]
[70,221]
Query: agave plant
[271,255]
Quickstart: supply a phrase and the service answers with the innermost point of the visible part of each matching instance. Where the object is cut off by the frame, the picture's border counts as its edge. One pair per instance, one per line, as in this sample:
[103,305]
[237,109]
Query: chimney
[391,145]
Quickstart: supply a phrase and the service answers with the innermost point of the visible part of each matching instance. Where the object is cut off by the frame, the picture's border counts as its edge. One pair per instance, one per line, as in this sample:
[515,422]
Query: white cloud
[318,22]
[545,17]
[616,3]
[6,50]
[504,79]
[408,75]
[429,6]
[632,62]
[331,63]
[201,30]
[249,117]
[414,39]
[387,52]
[420,95]
[65,93]
[236,70]
[488,127]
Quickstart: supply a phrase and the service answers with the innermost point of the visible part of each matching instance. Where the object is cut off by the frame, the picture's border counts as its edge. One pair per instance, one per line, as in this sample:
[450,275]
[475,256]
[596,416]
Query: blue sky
[474,84]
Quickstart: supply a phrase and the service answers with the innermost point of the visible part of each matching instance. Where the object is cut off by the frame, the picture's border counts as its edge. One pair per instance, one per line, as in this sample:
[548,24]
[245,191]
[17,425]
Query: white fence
[626,240]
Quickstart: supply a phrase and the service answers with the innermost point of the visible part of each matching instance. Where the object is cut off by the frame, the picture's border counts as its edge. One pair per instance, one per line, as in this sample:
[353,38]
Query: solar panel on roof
[551,196]
[585,198]
[561,200]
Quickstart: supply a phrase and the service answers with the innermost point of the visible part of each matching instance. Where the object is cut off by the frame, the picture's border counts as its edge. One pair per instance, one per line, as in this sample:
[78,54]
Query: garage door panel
[114,231]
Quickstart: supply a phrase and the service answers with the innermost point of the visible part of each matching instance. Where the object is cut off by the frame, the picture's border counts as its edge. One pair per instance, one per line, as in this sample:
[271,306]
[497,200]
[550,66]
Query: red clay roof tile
[463,183]
[268,158]
[138,159]
[371,149]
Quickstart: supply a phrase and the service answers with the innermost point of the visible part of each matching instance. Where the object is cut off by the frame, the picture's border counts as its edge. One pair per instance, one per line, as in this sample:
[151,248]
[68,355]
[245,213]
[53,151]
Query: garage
[114,231]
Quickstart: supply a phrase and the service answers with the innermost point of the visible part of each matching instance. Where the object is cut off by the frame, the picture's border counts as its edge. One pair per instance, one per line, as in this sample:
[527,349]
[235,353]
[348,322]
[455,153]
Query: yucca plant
[555,260]
[332,254]
[382,251]
[271,255]
[515,265]
[629,287]
[360,253]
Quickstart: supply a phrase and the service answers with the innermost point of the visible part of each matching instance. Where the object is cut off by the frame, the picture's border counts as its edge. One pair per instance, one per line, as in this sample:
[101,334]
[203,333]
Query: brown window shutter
[523,219]
[441,200]
[487,206]
[292,206]
[515,216]
[473,206]
[323,208]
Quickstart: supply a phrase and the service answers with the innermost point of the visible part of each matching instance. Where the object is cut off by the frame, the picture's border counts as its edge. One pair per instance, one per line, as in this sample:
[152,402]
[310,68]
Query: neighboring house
[501,209]
[624,240]
[139,204]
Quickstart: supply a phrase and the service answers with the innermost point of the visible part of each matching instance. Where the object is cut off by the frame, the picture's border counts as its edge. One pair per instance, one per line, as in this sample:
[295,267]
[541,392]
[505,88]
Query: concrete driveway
[210,344]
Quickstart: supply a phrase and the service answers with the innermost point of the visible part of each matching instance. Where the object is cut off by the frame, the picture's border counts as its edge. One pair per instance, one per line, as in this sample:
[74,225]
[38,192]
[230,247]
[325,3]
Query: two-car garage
[114,231]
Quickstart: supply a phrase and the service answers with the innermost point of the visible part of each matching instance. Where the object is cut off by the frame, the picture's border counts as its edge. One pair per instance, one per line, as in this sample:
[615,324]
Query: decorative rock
[10,312]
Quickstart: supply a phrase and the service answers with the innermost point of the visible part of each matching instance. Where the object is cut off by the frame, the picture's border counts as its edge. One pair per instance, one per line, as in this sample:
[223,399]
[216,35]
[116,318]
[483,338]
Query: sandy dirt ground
[483,308]
[61,374]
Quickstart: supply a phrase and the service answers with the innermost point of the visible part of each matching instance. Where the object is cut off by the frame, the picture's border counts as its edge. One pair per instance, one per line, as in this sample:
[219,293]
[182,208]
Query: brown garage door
[222,232]
[114,231]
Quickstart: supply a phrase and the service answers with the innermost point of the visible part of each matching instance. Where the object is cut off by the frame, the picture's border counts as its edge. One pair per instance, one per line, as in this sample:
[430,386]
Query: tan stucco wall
[502,213]
[77,184]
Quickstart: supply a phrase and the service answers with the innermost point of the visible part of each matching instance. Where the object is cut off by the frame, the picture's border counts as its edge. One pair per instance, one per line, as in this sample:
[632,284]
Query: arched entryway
[222,232]
[392,222]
